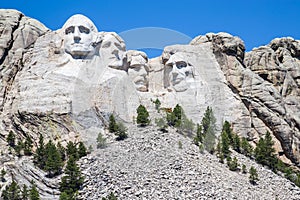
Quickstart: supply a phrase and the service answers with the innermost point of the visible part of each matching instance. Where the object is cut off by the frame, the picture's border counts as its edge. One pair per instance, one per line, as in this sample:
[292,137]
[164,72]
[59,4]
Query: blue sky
[256,22]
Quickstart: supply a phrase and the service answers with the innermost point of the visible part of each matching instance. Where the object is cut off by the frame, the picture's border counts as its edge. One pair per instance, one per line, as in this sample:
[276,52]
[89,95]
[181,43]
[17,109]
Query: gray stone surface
[54,83]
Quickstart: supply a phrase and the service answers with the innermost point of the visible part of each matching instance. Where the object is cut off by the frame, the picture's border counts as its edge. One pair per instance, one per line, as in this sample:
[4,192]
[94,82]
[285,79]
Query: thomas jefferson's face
[79,37]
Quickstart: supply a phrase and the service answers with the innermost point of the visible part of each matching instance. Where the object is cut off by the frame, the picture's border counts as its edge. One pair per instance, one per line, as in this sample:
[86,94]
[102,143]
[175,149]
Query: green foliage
[111,196]
[18,148]
[157,105]
[64,196]
[121,133]
[162,124]
[62,151]
[244,169]
[28,146]
[209,130]
[3,173]
[11,139]
[187,126]
[253,177]
[25,193]
[143,116]
[40,154]
[72,150]
[199,136]
[54,163]
[112,127]
[82,150]
[225,144]
[72,181]
[228,130]
[101,141]
[265,153]
[232,163]
[11,192]
[33,193]
[236,145]
[174,118]
[179,144]
[246,147]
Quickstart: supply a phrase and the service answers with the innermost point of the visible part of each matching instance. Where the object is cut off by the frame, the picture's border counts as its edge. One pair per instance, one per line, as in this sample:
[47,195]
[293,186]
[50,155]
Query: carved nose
[174,70]
[77,37]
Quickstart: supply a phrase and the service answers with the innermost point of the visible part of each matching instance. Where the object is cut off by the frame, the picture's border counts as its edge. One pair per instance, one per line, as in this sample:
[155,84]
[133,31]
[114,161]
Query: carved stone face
[112,51]
[80,35]
[180,73]
[138,72]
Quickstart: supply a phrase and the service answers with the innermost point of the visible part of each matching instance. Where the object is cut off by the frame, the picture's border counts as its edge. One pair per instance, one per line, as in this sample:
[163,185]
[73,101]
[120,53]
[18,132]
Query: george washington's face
[79,37]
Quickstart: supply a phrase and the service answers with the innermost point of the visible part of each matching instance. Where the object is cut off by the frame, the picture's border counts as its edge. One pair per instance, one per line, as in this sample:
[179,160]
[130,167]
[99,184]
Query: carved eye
[83,29]
[69,30]
[181,64]
[106,45]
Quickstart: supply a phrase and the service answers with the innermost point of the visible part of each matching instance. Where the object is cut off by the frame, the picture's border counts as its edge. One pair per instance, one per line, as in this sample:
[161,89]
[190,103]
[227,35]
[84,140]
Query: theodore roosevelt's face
[137,71]
[79,37]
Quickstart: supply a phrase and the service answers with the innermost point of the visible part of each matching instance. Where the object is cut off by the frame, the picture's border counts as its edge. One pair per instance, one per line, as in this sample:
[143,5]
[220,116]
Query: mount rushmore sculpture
[70,80]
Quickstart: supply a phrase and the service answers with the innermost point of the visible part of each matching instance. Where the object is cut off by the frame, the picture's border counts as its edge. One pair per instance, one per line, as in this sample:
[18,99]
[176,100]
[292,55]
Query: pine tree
[101,141]
[246,147]
[11,139]
[64,196]
[265,153]
[72,150]
[233,164]
[225,144]
[187,126]
[157,105]
[62,151]
[162,124]
[236,143]
[25,193]
[112,127]
[178,113]
[3,173]
[121,133]
[253,177]
[11,192]
[18,148]
[143,116]
[244,169]
[228,130]
[209,130]
[54,163]
[28,146]
[81,150]
[40,155]
[33,193]
[72,181]
[199,137]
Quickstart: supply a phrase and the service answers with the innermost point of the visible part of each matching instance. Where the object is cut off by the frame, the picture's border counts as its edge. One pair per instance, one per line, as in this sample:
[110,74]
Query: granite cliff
[66,91]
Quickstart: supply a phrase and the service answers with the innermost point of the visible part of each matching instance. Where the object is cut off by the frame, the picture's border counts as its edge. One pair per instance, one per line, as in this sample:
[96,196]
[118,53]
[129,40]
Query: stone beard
[80,37]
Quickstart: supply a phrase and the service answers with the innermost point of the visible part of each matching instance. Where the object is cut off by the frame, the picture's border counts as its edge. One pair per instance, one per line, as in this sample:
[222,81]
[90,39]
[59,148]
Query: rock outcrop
[66,83]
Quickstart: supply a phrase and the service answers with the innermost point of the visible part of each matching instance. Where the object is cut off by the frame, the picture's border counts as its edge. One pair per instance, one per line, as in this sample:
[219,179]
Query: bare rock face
[266,83]
[66,83]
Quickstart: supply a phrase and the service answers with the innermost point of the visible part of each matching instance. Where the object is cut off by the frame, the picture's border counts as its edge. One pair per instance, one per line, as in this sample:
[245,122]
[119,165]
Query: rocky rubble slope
[151,165]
